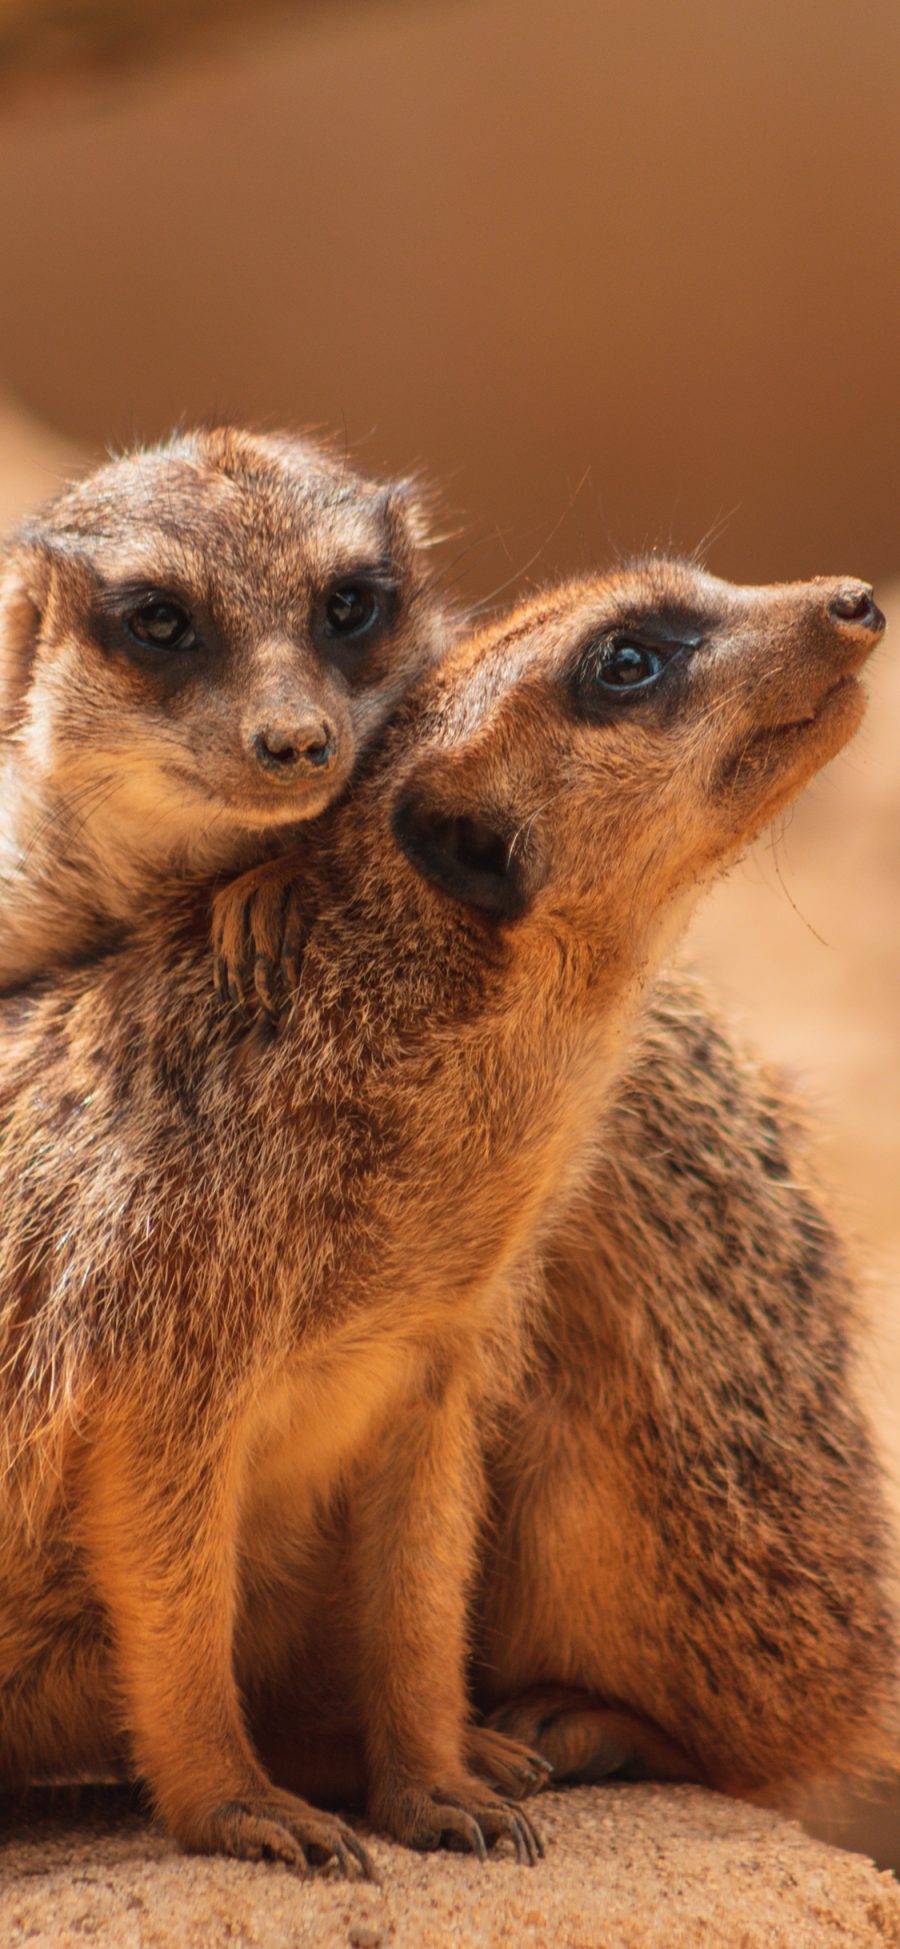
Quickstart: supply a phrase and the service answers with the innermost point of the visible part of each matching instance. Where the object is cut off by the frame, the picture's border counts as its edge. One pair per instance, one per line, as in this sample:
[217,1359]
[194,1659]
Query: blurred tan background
[612,275]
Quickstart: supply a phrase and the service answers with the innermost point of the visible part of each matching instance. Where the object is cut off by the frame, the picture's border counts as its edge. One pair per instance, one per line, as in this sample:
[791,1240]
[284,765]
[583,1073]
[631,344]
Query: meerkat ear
[22,588]
[407,508]
[469,851]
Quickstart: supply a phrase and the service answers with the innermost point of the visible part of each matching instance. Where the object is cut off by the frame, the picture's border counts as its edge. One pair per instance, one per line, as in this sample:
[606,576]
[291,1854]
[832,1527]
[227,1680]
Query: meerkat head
[207,634]
[596,758]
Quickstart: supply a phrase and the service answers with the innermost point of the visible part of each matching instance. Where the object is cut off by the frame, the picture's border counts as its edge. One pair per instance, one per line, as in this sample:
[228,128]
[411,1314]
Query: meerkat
[684,1572]
[687,1514]
[196,644]
[238,1273]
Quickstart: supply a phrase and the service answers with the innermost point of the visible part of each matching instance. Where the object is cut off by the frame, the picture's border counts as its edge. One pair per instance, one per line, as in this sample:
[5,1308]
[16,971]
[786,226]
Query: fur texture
[130,764]
[687,1513]
[685,1572]
[246,1275]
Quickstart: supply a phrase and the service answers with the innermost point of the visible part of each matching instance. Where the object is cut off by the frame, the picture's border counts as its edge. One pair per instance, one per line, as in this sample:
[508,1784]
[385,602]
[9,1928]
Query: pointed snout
[853,604]
[291,720]
[290,745]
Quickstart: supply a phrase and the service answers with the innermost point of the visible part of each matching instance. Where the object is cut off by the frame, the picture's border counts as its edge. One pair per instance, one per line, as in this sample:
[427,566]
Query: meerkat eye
[351,609]
[625,663]
[161,624]
[631,666]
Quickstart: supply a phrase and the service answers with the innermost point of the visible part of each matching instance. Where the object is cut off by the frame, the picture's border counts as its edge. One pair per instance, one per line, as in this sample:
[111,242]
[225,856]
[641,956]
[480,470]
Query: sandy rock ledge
[627,1868]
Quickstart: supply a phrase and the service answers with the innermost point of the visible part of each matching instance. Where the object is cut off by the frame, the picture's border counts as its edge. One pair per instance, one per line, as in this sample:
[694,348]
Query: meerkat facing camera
[196,643]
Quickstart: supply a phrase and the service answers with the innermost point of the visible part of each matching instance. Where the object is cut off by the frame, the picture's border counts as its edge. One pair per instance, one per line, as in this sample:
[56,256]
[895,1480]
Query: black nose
[308,744]
[854,602]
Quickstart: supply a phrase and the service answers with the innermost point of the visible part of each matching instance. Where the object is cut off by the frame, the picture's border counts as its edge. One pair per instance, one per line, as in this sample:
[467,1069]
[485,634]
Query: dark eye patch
[159,629]
[162,624]
[353,615]
[624,664]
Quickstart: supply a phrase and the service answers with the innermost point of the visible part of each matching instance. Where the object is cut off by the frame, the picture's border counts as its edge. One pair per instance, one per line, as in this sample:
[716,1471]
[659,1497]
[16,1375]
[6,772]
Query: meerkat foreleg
[415,1529]
[158,1523]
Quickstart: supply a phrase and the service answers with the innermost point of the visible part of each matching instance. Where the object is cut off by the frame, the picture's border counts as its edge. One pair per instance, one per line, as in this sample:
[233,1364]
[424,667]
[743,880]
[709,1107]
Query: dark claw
[533,1841]
[292,950]
[536,1776]
[243,972]
[363,1858]
[224,985]
[265,983]
[466,1827]
[345,1852]
[506,1823]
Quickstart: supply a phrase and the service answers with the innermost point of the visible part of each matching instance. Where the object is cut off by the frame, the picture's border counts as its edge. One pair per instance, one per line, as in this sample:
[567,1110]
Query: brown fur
[688,1516]
[127,767]
[244,1277]
[685,1573]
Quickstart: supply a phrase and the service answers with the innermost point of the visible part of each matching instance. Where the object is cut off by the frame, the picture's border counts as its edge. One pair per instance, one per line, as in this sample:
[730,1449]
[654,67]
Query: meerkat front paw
[462,1814]
[515,1769]
[278,1827]
[257,937]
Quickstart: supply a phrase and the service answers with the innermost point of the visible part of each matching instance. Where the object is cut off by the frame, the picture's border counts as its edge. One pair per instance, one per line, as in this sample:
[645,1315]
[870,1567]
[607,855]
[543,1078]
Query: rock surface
[626,1868]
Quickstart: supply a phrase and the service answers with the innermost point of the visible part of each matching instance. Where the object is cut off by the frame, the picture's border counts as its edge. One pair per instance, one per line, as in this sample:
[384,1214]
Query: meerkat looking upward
[196,642]
[685,1570]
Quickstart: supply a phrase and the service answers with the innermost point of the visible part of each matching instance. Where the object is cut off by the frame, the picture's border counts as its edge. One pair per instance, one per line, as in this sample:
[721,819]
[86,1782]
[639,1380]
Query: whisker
[526,826]
[790,898]
[714,533]
[57,817]
[522,573]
